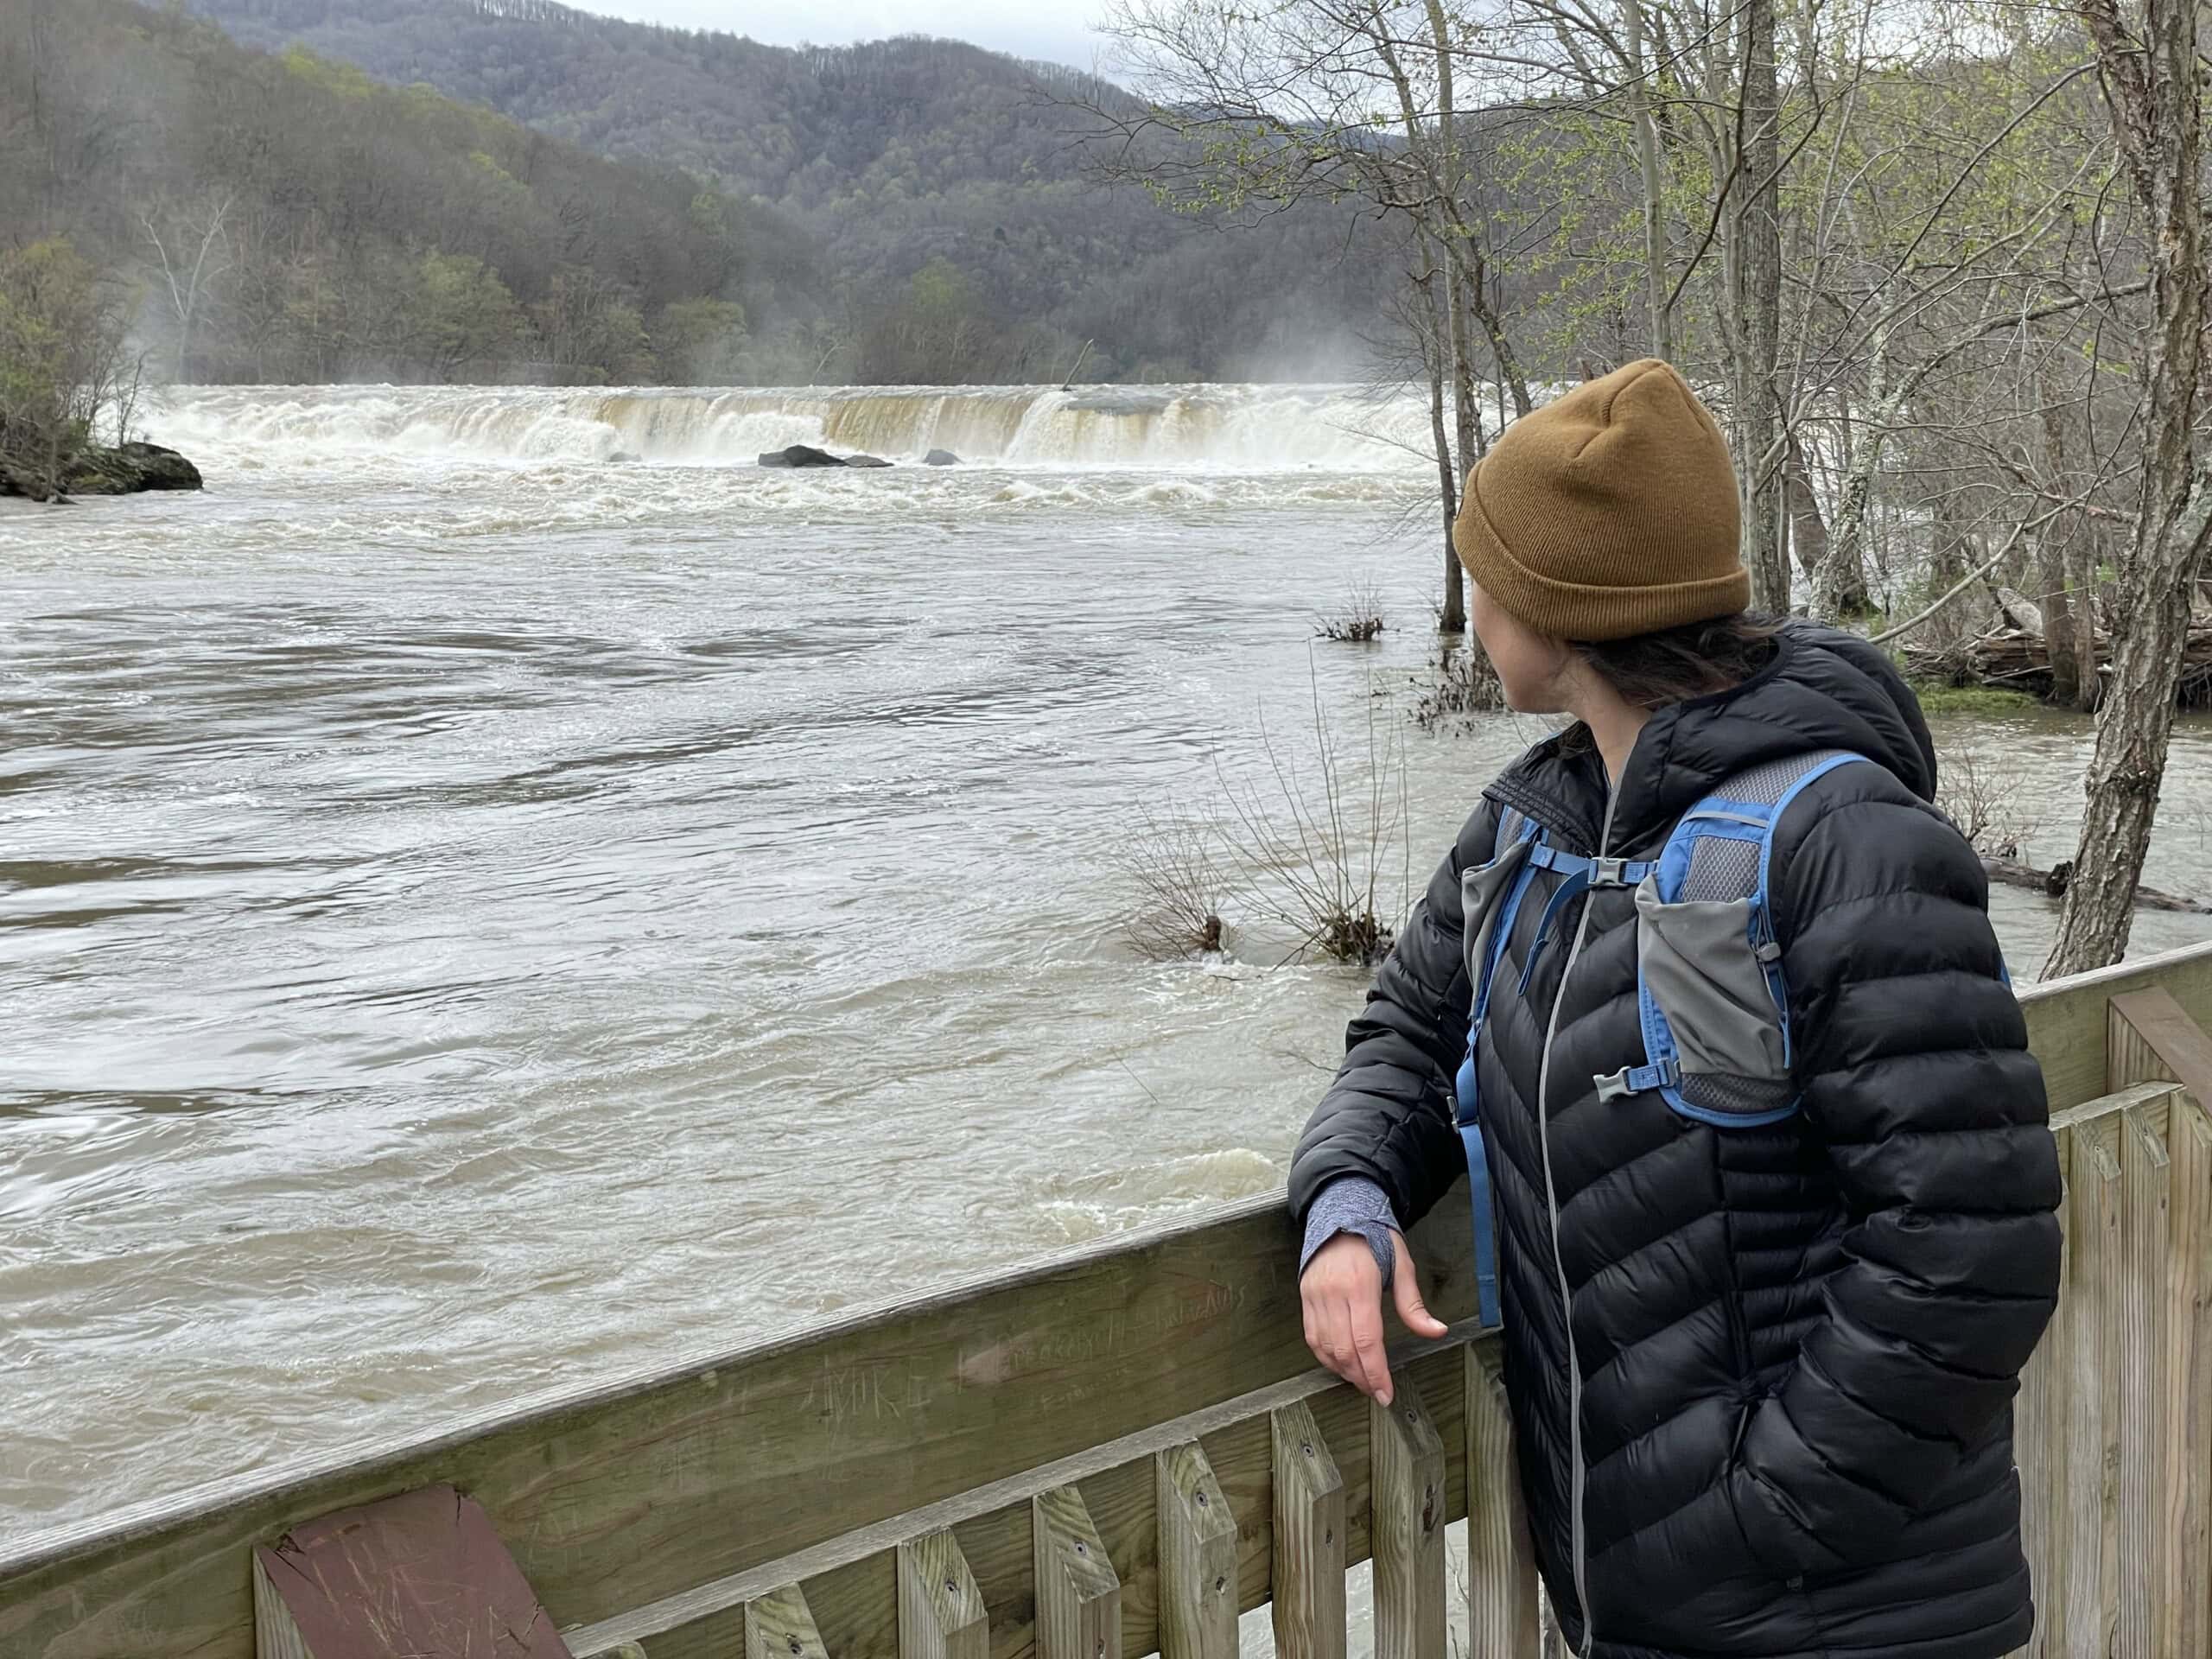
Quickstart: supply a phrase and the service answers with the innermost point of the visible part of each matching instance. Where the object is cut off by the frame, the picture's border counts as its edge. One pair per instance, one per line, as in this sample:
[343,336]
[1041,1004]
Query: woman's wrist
[1353,1204]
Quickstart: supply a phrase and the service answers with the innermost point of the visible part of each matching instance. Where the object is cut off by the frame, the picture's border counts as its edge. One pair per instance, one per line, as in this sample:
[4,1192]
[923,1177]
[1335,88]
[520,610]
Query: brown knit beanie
[1609,511]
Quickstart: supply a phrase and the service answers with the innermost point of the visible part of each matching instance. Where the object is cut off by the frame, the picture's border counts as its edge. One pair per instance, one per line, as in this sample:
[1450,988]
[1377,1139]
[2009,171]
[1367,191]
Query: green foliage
[592,331]
[466,314]
[1940,697]
[63,364]
[701,342]
[290,218]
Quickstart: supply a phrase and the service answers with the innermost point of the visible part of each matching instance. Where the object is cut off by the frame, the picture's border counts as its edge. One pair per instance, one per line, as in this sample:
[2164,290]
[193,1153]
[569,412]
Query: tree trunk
[1451,618]
[1466,419]
[1757,415]
[1808,531]
[1658,296]
[2082,561]
[2058,631]
[1840,589]
[2069,642]
[2151,85]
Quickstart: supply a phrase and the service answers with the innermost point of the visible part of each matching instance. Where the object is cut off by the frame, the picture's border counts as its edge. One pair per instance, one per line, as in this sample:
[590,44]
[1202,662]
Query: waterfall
[1204,427]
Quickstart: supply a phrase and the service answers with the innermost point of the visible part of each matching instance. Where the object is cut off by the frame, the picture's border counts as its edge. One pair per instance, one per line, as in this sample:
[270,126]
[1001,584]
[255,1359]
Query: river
[475,912]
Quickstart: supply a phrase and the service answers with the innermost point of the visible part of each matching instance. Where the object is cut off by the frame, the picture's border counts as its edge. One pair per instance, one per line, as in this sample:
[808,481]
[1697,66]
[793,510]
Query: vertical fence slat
[2188,1506]
[941,1612]
[2039,1438]
[1309,1543]
[275,1634]
[2145,1445]
[1406,1528]
[1078,1593]
[2094,1265]
[1502,1616]
[1197,1558]
[780,1625]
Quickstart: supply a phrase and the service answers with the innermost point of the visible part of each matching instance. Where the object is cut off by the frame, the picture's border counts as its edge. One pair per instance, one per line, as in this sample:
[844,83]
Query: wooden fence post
[1197,1558]
[1309,1543]
[1078,1593]
[780,1625]
[2150,1037]
[1406,1527]
[2089,1545]
[1502,1616]
[940,1610]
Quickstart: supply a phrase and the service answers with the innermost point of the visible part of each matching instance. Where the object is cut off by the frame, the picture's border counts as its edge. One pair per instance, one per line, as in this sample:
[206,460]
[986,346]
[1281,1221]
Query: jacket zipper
[1559,1265]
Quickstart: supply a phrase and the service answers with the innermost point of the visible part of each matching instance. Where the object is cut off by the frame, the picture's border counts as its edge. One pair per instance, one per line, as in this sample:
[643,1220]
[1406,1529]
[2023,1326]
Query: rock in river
[800,454]
[865,461]
[125,470]
[940,458]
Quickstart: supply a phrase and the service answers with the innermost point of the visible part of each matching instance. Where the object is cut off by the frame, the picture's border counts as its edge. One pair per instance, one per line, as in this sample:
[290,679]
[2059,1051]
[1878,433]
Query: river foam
[1240,427]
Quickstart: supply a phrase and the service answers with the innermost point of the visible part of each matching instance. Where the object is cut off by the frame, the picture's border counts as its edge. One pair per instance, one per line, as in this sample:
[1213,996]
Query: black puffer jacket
[1794,1348]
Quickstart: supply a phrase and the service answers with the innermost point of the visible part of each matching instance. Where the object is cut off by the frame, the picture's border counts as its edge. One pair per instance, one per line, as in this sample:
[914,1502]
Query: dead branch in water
[2052,884]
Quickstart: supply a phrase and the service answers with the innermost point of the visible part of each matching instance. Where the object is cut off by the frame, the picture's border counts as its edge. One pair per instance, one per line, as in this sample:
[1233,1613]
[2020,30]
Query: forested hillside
[956,229]
[285,218]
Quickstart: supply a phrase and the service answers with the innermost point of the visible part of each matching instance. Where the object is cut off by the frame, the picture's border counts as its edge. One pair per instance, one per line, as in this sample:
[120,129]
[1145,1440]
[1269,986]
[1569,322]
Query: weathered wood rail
[1118,1453]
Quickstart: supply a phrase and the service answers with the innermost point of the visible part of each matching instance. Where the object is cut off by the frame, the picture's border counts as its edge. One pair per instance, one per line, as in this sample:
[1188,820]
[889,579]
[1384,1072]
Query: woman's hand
[1342,1293]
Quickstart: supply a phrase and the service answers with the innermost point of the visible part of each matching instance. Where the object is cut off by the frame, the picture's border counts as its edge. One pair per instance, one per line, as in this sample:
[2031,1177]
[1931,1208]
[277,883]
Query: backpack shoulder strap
[1722,847]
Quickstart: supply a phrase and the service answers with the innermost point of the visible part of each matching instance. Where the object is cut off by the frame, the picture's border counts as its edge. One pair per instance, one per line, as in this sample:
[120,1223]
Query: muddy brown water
[474,914]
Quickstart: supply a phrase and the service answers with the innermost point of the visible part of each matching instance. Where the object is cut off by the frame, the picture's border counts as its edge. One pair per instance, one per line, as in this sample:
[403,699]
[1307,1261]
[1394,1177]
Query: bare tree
[192,254]
[2148,62]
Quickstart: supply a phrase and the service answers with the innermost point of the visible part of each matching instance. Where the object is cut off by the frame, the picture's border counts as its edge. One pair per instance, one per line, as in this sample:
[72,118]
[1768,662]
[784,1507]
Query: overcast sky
[1057,30]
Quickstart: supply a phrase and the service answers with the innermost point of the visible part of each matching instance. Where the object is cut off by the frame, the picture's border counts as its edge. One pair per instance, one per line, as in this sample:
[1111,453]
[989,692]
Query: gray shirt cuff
[1353,1204]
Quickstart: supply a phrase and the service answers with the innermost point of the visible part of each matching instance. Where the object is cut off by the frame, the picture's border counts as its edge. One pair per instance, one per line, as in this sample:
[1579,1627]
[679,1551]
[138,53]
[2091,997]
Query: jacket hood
[1823,688]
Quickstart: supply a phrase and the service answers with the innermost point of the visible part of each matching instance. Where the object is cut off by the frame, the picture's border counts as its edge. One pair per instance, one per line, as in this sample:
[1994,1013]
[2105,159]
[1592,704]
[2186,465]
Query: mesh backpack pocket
[1710,996]
[1709,999]
[1483,892]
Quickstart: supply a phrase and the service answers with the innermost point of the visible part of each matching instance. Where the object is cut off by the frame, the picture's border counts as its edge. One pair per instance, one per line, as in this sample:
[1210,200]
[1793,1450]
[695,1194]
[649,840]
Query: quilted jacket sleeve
[1912,1054]
[1387,1115]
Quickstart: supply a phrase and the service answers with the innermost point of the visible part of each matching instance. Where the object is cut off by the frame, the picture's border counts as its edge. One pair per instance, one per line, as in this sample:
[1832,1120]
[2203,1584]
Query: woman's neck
[1613,722]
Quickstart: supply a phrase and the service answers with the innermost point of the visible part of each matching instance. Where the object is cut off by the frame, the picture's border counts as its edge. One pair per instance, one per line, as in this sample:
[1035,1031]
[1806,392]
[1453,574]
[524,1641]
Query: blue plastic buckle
[1638,1079]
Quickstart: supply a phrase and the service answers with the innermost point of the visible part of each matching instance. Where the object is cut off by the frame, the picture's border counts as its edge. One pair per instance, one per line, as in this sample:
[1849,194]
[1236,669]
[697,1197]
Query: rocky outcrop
[800,454]
[805,454]
[940,458]
[129,469]
[125,470]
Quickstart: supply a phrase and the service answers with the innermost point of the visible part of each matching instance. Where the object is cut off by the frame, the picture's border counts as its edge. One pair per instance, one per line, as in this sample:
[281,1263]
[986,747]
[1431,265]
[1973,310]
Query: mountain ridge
[911,160]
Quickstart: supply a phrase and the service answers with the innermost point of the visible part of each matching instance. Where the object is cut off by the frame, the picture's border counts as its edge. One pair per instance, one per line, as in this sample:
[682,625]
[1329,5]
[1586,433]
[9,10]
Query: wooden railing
[1119,1452]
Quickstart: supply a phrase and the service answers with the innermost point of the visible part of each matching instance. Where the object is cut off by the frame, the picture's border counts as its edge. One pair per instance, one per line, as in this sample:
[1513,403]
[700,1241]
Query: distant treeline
[286,219]
[911,212]
[890,157]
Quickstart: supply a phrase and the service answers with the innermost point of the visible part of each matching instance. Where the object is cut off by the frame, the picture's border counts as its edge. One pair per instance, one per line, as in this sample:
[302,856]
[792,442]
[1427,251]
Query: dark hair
[1651,670]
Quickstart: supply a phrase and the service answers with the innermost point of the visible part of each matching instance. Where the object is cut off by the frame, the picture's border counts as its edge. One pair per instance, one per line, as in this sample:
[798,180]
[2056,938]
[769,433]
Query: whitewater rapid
[1210,427]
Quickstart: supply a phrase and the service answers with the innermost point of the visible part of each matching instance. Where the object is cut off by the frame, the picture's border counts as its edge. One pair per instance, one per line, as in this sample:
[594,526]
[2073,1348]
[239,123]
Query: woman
[1760,1357]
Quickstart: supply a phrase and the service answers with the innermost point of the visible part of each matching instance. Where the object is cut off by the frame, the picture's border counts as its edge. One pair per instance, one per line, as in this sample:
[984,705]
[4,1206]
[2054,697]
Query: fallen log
[2017,659]
[2052,883]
